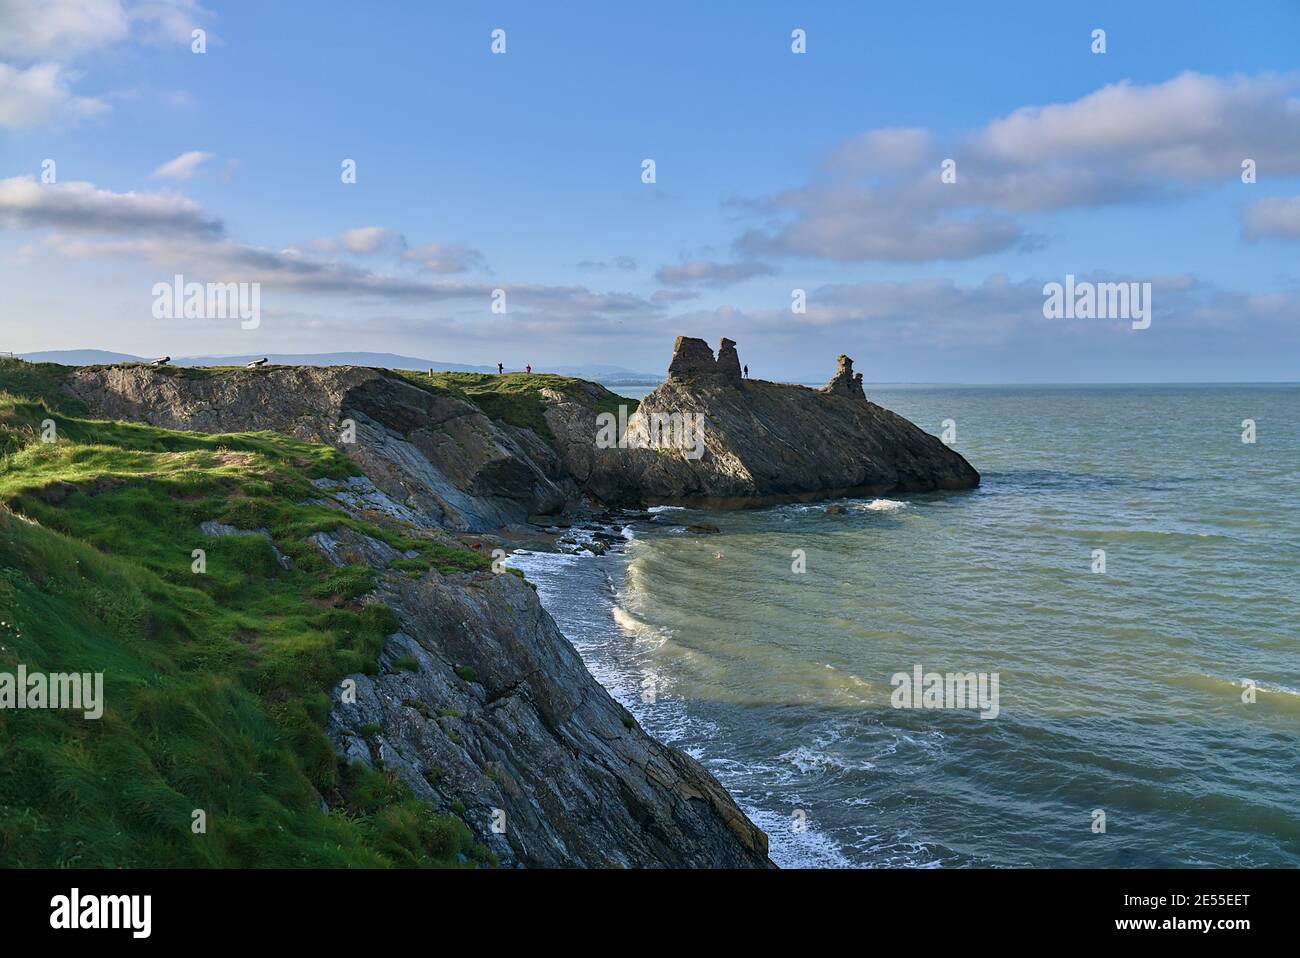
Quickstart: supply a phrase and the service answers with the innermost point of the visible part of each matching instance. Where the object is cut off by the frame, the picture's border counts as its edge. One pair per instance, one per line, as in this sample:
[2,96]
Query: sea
[1128,569]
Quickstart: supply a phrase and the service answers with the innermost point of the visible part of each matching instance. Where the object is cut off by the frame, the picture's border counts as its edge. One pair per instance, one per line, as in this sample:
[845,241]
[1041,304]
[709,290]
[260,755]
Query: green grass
[217,685]
[515,398]
[466,673]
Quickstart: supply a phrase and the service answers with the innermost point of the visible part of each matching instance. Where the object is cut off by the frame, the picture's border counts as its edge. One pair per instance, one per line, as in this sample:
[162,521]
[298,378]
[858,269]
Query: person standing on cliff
[500,369]
[529,370]
[746,370]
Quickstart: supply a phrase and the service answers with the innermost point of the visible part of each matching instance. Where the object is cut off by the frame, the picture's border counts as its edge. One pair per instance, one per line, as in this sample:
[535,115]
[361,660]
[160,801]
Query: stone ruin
[845,382]
[693,359]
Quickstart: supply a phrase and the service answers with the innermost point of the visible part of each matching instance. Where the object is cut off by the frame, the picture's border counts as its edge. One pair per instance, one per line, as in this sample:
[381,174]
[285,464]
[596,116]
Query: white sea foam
[882,505]
[807,759]
[810,848]
[638,629]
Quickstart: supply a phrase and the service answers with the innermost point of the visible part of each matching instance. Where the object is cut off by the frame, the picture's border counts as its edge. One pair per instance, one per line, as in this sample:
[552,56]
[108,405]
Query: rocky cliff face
[762,442]
[448,463]
[482,701]
[436,454]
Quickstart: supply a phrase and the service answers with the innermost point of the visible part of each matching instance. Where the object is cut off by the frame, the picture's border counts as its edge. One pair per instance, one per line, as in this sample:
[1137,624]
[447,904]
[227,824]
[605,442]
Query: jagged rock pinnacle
[845,382]
[729,361]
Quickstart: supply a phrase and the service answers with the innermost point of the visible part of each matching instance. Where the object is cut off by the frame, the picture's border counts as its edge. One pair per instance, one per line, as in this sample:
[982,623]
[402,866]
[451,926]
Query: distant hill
[79,357]
[99,357]
[382,360]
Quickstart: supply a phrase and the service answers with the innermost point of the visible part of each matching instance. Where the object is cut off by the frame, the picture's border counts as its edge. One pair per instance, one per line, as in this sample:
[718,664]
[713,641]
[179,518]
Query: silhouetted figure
[528,369]
[161,362]
[257,362]
[746,370]
[500,369]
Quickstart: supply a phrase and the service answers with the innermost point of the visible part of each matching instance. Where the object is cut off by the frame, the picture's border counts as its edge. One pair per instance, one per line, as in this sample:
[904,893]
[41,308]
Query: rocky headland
[763,442]
[480,701]
[452,464]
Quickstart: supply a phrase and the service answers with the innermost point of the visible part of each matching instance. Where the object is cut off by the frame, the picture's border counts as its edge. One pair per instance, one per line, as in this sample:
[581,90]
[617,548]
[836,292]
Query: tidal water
[1124,692]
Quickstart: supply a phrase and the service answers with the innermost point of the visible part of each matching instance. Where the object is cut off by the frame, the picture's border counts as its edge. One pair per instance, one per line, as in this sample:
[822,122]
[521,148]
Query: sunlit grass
[217,683]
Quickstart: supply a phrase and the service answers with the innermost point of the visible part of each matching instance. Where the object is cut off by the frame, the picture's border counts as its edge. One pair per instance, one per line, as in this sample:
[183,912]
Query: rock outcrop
[435,453]
[482,701]
[760,442]
[447,463]
[845,382]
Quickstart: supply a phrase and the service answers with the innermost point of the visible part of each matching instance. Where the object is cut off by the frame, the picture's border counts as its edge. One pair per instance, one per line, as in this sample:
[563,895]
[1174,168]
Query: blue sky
[775,171]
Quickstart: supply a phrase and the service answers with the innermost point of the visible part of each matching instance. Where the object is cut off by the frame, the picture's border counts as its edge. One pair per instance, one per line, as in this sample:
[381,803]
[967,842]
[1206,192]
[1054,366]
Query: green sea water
[1120,692]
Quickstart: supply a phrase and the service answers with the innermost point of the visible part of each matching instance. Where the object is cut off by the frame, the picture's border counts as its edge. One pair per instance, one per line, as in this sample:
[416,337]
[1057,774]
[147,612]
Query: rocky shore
[481,702]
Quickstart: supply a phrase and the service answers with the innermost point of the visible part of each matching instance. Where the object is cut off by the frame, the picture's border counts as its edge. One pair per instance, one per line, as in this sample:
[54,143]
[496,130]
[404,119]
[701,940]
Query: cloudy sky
[774,171]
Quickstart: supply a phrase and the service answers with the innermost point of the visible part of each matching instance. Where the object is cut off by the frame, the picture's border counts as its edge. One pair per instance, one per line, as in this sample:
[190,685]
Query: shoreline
[567,579]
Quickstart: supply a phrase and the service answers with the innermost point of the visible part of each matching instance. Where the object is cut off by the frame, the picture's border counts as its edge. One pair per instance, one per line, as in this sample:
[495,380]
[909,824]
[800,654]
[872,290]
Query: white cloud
[369,239]
[42,94]
[65,29]
[1277,217]
[882,197]
[889,150]
[708,273]
[1006,316]
[431,257]
[674,295]
[182,168]
[82,207]
[847,223]
[168,22]
[445,257]
[59,28]
[616,262]
[532,306]
[1192,127]
[47,34]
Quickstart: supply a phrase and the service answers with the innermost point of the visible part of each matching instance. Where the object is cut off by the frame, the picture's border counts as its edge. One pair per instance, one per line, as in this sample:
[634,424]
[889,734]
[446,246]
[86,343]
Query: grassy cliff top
[217,682]
[516,398]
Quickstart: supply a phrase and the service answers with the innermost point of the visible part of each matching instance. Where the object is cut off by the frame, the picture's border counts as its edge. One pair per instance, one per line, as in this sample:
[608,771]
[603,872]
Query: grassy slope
[216,684]
[514,398]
